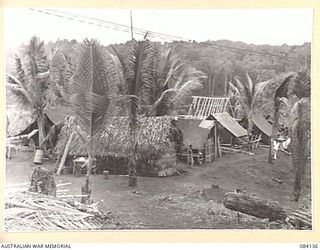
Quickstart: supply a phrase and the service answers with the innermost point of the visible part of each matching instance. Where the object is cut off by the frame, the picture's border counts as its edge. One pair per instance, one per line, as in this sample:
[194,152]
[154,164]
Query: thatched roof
[17,120]
[152,138]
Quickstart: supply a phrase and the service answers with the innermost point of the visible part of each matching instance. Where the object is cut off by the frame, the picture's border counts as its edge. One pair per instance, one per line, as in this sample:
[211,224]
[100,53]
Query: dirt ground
[189,201]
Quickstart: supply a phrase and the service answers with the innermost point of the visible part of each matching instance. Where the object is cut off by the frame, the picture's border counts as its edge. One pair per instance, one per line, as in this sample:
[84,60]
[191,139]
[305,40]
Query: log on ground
[251,205]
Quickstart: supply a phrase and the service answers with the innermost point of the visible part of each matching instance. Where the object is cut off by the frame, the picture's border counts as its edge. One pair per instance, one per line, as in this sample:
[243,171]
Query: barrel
[38,158]
[106,174]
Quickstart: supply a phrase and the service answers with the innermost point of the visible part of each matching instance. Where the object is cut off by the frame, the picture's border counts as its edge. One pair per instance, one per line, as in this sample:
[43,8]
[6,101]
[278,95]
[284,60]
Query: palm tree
[280,99]
[300,128]
[156,81]
[139,79]
[172,98]
[30,86]
[248,93]
[89,91]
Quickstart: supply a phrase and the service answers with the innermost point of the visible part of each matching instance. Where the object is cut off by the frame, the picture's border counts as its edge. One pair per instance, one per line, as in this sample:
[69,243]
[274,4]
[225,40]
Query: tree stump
[42,181]
[260,208]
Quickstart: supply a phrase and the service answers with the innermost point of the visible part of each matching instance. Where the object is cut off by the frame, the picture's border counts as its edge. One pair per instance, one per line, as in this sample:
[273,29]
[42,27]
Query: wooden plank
[18,185]
[225,105]
[65,153]
[209,107]
[236,151]
[198,106]
[63,184]
[73,196]
[204,107]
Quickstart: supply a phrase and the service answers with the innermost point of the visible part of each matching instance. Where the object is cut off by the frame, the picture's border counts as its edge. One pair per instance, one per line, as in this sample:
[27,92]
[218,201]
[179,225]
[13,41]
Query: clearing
[189,201]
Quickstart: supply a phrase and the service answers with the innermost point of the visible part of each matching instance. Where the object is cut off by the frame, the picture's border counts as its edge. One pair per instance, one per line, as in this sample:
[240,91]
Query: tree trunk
[89,163]
[250,129]
[275,126]
[133,164]
[226,85]
[255,206]
[213,83]
[300,151]
[41,127]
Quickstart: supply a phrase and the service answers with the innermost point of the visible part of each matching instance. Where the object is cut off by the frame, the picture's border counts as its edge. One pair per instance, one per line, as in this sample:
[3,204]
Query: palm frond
[20,96]
[19,70]
[90,88]
[259,88]
[139,77]
[234,89]
[282,90]
[245,95]
[251,86]
[185,92]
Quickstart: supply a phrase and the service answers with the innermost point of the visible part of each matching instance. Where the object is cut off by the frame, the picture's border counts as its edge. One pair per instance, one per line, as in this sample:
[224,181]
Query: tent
[230,124]
[264,126]
[194,131]
[57,114]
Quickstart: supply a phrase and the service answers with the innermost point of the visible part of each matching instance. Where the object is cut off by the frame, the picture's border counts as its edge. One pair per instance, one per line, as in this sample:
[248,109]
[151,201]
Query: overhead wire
[151,34]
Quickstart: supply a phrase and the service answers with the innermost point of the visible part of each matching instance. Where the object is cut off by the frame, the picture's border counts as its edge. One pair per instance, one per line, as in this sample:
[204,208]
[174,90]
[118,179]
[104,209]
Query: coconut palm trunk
[275,128]
[133,127]
[133,163]
[300,149]
[41,127]
[280,98]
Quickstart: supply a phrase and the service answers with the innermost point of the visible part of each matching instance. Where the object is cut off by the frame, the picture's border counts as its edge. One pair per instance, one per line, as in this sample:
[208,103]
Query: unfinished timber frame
[202,107]
[196,141]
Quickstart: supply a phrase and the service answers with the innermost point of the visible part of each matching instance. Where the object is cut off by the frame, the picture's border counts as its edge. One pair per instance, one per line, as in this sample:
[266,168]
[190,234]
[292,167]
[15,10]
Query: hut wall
[192,133]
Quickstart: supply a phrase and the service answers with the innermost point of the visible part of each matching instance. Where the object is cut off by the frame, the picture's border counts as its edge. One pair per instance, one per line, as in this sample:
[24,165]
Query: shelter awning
[262,124]
[230,124]
[207,124]
[57,115]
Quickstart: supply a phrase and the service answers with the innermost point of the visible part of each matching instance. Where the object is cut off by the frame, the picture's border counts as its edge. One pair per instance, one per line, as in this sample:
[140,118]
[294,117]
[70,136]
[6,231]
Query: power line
[152,34]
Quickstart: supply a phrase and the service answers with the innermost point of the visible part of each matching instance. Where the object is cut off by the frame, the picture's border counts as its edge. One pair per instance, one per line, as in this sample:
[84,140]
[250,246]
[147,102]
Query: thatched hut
[156,153]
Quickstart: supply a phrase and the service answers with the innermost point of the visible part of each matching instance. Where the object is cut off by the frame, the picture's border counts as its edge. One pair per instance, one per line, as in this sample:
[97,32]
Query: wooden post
[219,148]
[190,156]
[215,142]
[65,153]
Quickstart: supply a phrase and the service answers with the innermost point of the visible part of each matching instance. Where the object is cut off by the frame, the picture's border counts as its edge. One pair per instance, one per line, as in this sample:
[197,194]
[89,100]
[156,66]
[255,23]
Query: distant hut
[204,124]
[156,138]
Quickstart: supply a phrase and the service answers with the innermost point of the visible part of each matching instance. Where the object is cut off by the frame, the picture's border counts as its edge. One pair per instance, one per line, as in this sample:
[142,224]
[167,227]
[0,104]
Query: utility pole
[131,25]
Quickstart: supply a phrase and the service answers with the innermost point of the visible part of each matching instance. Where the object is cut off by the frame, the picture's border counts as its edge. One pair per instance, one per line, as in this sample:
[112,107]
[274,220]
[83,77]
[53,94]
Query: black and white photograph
[158,119]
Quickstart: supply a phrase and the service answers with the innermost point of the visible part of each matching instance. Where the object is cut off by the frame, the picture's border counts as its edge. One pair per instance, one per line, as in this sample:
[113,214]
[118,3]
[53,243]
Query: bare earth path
[185,201]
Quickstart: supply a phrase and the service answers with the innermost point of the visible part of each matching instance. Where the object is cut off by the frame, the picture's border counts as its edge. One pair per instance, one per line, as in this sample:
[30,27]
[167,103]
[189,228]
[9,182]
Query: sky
[256,26]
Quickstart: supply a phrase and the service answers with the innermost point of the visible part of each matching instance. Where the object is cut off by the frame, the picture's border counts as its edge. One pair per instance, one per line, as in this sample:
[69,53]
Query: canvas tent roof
[230,124]
[20,120]
[262,124]
[58,114]
[192,133]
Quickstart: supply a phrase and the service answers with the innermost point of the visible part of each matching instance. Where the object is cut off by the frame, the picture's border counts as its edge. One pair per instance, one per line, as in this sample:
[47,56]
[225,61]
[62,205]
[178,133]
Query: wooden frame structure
[201,106]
